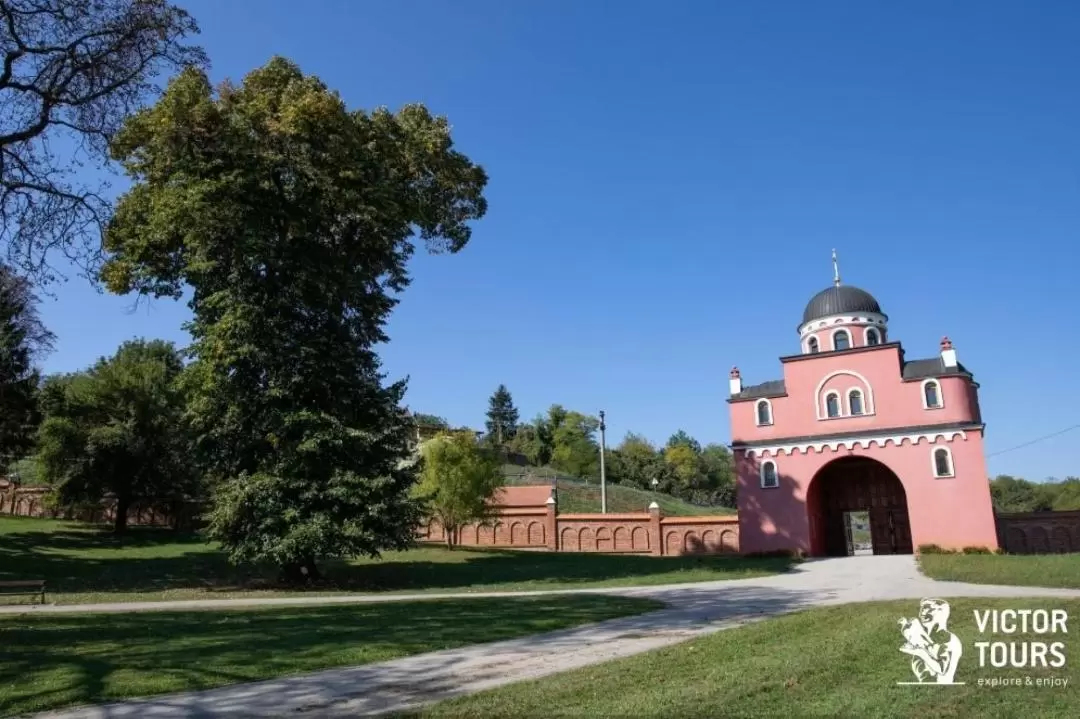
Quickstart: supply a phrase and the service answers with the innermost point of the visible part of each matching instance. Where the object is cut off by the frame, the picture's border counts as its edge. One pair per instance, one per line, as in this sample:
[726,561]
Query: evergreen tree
[502,416]
[22,339]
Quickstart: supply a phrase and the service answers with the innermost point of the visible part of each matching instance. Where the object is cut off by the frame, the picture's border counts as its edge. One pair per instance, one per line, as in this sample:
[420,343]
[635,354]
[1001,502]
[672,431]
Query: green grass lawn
[1035,570]
[86,564]
[47,662]
[839,661]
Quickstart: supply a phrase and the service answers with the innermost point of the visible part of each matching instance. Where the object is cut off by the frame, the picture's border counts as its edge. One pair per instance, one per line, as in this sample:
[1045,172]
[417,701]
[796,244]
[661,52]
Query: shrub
[978,550]
[933,549]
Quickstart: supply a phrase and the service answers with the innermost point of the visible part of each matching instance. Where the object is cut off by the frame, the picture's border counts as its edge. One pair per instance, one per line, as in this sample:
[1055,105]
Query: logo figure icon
[934,650]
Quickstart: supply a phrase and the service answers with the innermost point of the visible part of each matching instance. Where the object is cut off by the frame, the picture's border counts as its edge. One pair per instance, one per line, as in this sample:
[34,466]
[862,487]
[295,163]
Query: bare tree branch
[73,70]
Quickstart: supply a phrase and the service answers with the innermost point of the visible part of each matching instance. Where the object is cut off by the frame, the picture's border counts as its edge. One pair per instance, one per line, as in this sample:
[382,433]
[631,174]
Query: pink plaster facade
[945,500]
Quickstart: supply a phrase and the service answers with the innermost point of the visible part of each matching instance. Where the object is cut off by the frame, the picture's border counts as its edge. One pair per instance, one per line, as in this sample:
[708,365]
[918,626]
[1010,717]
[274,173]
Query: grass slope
[55,661]
[1041,570]
[839,661]
[576,495]
[85,564]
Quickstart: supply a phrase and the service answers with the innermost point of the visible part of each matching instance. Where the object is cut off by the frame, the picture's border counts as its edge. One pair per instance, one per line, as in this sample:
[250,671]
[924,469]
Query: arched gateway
[856,425]
[854,487]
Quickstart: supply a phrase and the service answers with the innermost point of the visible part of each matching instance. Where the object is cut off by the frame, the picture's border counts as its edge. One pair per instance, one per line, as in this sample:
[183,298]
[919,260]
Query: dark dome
[839,300]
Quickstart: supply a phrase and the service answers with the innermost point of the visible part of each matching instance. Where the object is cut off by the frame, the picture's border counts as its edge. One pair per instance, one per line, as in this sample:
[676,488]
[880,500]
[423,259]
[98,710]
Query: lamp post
[603,476]
[655,483]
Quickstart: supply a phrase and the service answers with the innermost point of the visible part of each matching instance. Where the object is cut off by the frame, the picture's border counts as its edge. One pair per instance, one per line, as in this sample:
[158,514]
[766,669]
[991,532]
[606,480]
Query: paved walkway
[693,610]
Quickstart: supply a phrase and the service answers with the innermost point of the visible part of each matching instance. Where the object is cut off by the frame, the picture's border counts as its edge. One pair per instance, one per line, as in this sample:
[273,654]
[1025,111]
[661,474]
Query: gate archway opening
[848,489]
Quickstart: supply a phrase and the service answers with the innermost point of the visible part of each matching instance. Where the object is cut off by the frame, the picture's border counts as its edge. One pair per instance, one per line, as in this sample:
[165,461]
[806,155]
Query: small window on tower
[855,401]
[932,395]
[832,405]
[841,340]
[812,345]
[769,479]
[942,463]
[764,412]
[872,337]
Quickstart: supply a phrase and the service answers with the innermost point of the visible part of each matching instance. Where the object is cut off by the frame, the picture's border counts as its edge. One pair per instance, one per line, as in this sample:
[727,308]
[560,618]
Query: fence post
[656,535]
[551,523]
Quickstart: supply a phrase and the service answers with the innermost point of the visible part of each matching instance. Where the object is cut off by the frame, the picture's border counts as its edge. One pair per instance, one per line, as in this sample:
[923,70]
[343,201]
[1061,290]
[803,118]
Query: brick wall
[1039,532]
[525,520]
[30,502]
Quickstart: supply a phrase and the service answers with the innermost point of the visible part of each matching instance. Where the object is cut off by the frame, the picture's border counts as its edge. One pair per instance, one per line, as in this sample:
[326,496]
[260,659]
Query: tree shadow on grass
[61,660]
[85,560]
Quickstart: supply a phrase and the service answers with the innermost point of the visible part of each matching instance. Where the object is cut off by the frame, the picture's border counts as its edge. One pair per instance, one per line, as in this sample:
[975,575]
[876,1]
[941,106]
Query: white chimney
[948,354]
[736,381]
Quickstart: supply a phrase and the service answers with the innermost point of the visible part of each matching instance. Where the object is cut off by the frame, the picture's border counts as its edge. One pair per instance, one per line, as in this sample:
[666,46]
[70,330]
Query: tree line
[568,441]
[1013,494]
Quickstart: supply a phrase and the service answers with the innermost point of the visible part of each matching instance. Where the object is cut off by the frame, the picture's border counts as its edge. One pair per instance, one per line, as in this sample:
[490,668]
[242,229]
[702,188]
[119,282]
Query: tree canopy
[117,429]
[459,478]
[502,416]
[73,70]
[292,219]
[23,341]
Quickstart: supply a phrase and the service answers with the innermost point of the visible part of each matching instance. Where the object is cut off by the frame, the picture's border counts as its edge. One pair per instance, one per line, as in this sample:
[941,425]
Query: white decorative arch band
[869,318]
[817,446]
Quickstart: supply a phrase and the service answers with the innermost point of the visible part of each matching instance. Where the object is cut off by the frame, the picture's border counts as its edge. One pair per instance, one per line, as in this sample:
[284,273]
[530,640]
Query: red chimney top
[735,373]
[946,344]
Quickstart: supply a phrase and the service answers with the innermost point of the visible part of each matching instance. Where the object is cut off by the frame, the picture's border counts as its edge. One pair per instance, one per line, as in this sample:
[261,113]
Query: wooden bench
[26,587]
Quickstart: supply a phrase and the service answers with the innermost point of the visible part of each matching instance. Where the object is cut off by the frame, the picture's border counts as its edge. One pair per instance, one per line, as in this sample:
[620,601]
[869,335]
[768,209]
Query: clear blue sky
[667,180]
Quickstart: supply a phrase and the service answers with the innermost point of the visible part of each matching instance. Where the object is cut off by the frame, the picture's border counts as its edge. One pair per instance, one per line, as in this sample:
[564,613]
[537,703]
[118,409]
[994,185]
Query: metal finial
[835,269]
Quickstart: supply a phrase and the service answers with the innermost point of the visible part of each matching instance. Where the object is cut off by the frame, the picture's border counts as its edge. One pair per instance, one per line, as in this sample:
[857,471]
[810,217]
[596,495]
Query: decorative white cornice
[872,319]
[833,445]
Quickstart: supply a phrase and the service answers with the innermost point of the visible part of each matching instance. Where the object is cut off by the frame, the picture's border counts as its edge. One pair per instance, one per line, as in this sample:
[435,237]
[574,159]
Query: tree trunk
[304,571]
[450,533]
[120,518]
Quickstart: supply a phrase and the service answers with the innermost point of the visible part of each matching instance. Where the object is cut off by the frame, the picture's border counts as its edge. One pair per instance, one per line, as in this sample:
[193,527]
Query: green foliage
[117,429]
[533,441]
[430,420]
[502,416]
[1012,494]
[22,340]
[457,481]
[573,439]
[292,219]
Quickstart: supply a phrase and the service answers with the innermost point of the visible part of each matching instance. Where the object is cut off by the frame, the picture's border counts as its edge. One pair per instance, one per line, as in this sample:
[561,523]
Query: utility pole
[603,477]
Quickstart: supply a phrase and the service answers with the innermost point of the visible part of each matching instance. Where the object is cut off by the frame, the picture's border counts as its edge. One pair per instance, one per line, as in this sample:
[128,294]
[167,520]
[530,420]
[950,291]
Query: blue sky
[668,179]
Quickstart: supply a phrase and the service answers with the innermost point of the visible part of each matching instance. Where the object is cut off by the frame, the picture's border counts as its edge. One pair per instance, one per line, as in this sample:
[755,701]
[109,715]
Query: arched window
[841,340]
[855,401]
[931,394]
[832,405]
[812,345]
[764,412]
[943,466]
[872,337]
[769,478]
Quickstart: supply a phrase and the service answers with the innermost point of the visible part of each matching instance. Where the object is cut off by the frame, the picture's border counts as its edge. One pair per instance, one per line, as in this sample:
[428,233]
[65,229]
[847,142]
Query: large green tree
[73,70]
[292,218]
[502,416]
[458,479]
[117,430]
[23,339]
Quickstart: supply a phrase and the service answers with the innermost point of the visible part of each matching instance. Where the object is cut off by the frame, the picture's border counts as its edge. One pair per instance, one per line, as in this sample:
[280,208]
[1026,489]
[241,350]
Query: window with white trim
[832,405]
[769,477]
[943,464]
[812,345]
[841,340]
[872,337]
[764,412]
[931,394]
[855,402]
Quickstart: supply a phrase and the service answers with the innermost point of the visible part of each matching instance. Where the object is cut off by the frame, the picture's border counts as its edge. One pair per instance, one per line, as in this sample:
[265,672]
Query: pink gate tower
[855,437]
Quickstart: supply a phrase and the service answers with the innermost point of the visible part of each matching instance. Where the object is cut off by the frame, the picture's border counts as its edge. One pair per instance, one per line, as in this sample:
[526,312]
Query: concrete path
[693,610]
